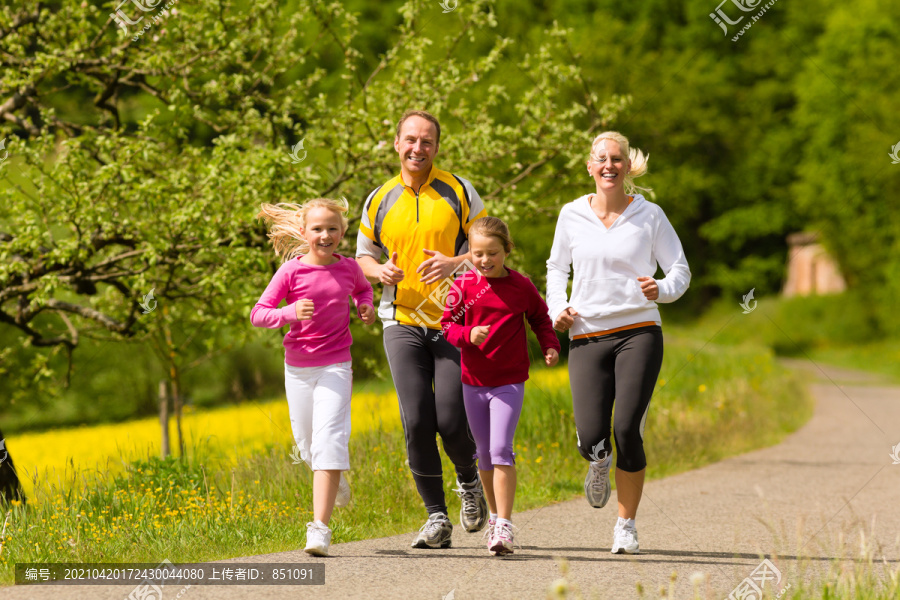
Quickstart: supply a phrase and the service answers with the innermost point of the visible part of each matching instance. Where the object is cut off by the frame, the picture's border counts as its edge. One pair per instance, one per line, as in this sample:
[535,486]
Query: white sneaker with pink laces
[502,540]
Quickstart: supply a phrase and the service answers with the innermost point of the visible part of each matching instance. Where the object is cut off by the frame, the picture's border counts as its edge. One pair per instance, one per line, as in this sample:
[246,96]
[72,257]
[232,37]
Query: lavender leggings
[493,414]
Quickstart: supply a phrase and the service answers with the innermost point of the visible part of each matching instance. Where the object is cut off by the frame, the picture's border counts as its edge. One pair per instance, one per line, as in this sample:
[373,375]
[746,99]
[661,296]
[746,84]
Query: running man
[418,221]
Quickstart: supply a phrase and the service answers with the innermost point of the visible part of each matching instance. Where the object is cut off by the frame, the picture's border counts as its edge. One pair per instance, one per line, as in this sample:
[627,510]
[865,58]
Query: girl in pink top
[487,320]
[316,284]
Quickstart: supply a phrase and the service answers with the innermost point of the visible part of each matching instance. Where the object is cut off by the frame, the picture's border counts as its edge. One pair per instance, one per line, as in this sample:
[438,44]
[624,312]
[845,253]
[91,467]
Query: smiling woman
[615,240]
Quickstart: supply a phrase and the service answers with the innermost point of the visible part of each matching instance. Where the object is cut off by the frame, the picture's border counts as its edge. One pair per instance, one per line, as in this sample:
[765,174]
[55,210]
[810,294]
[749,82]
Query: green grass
[829,330]
[880,356]
[711,402]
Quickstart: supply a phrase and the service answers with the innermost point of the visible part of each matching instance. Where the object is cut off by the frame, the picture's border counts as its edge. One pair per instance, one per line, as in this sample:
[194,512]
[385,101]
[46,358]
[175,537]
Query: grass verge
[831,330]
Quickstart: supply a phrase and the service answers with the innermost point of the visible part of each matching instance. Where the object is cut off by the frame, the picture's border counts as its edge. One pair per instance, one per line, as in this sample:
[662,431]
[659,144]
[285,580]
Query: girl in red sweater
[486,321]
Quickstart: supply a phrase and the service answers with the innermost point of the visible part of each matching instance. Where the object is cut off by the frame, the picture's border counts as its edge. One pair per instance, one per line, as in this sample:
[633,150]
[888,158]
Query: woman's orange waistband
[616,330]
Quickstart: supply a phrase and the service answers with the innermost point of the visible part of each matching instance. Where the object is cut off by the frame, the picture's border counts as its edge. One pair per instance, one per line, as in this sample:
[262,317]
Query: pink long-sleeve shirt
[325,338]
[504,303]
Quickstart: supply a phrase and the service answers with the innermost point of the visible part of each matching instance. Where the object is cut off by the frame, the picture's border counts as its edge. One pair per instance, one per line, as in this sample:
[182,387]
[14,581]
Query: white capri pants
[319,405]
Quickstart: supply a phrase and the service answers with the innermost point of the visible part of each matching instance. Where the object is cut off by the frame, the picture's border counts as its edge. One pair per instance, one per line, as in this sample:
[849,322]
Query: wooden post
[177,403]
[164,419]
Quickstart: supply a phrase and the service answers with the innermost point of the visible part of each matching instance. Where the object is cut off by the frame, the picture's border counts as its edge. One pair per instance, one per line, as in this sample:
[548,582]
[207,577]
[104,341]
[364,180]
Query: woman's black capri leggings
[618,368]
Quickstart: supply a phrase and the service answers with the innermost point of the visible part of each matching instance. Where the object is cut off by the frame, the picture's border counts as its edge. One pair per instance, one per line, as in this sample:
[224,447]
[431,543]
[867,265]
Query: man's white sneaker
[343,493]
[318,538]
[625,540]
[435,533]
[473,510]
[596,483]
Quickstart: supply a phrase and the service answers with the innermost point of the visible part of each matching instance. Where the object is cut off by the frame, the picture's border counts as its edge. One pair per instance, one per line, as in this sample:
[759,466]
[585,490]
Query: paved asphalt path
[803,503]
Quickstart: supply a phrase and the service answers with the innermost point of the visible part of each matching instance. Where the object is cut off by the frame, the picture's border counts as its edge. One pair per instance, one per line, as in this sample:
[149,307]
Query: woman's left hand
[649,287]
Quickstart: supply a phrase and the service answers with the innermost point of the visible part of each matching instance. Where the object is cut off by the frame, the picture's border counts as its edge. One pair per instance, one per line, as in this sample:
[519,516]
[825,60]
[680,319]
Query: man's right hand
[565,320]
[390,273]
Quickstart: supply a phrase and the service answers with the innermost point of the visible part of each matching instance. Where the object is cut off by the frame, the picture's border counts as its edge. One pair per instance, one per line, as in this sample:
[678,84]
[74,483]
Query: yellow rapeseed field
[549,379]
[226,433]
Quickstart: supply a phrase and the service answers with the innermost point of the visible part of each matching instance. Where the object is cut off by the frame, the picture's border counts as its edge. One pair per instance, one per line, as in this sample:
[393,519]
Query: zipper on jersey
[416,192]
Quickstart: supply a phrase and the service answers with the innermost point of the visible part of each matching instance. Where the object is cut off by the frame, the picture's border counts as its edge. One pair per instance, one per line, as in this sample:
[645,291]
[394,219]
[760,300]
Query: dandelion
[560,587]
[702,388]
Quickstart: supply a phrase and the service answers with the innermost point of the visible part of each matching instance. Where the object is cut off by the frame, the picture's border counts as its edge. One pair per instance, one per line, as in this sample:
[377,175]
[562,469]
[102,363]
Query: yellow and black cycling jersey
[397,219]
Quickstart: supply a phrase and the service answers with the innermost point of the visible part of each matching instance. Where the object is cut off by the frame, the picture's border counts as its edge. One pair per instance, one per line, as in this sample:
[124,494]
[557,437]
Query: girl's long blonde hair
[285,220]
[637,159]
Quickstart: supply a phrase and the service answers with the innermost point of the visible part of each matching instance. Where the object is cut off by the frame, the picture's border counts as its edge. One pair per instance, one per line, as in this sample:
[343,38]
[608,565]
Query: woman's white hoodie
[607,262]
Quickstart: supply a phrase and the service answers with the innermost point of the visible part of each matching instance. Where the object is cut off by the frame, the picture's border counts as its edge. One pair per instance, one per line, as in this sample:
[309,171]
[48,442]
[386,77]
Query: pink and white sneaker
[489,532]
[501,540]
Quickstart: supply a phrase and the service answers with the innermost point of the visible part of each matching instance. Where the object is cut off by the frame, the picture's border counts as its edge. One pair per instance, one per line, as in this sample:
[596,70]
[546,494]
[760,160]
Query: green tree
[847,184]
[154,182]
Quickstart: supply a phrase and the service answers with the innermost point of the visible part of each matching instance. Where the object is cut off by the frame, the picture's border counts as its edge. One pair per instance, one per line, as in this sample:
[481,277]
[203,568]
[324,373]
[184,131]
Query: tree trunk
[164,419]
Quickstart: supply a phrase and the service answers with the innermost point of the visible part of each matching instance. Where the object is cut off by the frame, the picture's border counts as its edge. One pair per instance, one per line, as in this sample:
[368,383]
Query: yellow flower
[702,388]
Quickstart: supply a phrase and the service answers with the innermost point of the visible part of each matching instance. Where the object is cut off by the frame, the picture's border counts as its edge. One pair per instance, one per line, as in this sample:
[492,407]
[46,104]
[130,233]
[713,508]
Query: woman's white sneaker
[625,539]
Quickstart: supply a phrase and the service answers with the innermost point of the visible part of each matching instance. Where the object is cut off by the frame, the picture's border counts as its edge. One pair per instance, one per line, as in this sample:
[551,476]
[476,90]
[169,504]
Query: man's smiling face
[417,146]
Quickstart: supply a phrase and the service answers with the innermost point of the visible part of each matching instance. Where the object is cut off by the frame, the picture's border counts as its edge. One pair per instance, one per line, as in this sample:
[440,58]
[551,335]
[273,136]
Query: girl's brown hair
[285,220]
[492,226]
